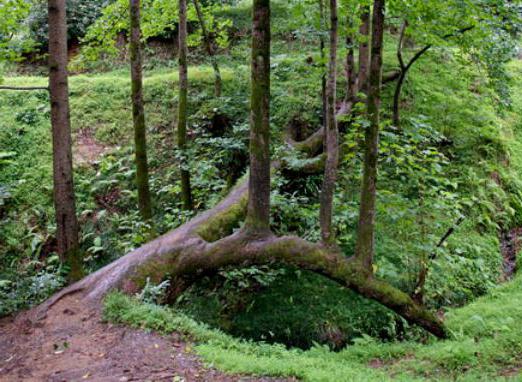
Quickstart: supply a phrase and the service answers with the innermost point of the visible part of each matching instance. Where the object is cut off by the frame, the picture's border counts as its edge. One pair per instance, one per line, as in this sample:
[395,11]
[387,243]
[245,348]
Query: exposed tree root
[206,243]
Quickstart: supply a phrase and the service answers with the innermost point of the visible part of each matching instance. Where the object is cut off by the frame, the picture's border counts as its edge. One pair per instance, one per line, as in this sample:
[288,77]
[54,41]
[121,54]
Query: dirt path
[72,344]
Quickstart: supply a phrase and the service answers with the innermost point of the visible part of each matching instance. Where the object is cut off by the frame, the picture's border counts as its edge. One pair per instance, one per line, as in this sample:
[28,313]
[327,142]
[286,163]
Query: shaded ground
[72,344]
[510,244]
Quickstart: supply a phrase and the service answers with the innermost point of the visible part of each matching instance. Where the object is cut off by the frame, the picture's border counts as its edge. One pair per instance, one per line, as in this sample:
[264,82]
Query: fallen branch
[24,88]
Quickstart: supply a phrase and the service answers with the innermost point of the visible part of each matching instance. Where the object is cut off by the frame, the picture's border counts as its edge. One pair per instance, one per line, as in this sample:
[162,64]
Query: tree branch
[24,88]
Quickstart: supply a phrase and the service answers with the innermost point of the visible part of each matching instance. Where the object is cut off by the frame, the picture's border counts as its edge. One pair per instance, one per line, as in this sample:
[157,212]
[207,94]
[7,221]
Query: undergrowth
[456,156]
[486,345]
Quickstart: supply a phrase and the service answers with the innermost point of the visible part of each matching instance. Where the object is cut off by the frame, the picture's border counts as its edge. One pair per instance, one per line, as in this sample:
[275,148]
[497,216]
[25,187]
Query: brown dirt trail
[72,344]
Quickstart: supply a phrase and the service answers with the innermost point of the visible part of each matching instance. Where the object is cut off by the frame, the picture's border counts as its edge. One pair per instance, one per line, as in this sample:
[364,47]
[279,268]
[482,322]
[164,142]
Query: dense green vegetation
[454,163]
[471,174]
[486,345]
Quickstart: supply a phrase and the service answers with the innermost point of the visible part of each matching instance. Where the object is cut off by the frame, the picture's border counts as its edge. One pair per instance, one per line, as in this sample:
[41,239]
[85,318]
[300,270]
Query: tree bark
[210,50]
[186,192]
[322,44]
[26,88]
[258,216]
[351,73]
[364,50]
[403,72]
[365,246]
[64,199]
[138,113]
[332,137]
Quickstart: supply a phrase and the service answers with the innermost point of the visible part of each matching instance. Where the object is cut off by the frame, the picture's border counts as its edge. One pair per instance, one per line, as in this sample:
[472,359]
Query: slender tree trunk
[323,66]
[402,76]
[138,113]
[210,50]
[186,193]
[351,74]
[364,50]
[64,200]
[365,247]
[332,136]
[258,213]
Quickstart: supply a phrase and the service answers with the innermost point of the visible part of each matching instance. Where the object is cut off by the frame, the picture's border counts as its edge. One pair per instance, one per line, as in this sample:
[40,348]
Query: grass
[448,97]
[486,344]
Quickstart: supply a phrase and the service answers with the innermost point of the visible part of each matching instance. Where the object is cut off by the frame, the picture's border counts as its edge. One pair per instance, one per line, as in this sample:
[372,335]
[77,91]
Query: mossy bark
[138,113]
[186,191]
[365,246]
[63,190]
[351,73]
[210,50]
[364,50]
[258,215]
[332,137]
[323,65]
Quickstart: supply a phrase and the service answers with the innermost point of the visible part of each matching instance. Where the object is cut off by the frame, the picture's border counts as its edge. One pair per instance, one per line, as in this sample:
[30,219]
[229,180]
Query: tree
[365,247]
[210,241]
[138,113]
[64,200]
[210,49]
[332,136]
[364,51]
[258,213]
[186,192]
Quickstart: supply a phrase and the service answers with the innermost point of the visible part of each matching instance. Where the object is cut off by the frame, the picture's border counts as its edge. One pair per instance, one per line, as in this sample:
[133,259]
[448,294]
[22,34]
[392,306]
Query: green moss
[487,343]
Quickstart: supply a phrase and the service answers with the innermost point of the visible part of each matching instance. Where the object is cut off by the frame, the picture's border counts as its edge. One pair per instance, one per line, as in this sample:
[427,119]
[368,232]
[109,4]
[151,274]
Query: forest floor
[72,344]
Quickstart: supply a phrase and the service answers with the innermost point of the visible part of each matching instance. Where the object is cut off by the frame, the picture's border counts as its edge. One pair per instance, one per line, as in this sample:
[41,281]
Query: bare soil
[510,245]
[72,344]
[87,149]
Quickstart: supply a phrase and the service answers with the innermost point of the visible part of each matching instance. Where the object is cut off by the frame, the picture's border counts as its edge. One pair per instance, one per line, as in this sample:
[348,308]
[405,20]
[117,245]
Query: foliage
[12,13]
[80,15]
[486,341]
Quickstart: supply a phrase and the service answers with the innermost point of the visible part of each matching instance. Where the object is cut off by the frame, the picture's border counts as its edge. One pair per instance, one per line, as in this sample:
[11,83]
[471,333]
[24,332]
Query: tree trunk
[365,247]
[201,247]
[324,100]
[364,50]
[351,74]
[210,50]
[258,216]
[332,136]
[138,114]
[404,71]
[206,243]
[186,192]
[64,200]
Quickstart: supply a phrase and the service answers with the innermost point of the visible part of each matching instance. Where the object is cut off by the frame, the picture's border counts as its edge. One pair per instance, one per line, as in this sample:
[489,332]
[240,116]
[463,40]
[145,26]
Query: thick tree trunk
[365,247]
[64,200]
[138,113]
[332,137]
[186,192]
[258,216]
[210,50]
[364,50]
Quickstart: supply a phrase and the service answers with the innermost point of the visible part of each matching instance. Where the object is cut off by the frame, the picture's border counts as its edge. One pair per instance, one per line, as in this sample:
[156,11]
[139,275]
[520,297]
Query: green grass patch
[487,343]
